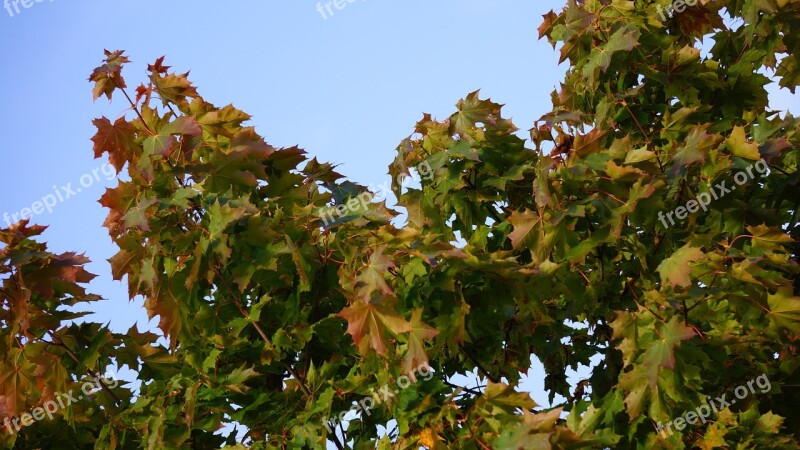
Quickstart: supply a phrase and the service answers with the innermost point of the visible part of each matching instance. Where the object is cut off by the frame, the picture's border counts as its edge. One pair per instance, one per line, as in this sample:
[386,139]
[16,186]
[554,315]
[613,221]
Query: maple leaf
[183,125]
[714,437]
[160,144]
[770,422]
[173,88]
[471,110]
[547,24]
[769,238]
[784,310]
[624,39]
[235,380]
[774,148]
[118,200]
[536,432]
[577,21]
[108,76]
[428,438]
[243,163]
[527,229]
[137,216]
[699,20]
[116,139]
[369,323]
[165,303]
[16,381]
[372,278]
[676,269]
[590,142]
[661,353]
[698,144]
[738,145]
[506,399]
[158,66]
[418,333]
[164,142]
[142,91]
[222,121]
[121,263]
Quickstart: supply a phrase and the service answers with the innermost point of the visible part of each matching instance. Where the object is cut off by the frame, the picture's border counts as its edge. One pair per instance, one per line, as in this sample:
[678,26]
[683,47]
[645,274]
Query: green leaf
[676,270]
[784,310]
[626,38]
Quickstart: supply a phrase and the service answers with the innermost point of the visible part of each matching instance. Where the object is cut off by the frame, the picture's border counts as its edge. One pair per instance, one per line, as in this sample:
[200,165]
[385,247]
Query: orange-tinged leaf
[184,125]
[372,279]
[428,438]
[166,304]
[527,229]
[121,263]
[15,387]
[108,76]
[369,323]
[714,437]
[418,334]
[590,142]
[547,24]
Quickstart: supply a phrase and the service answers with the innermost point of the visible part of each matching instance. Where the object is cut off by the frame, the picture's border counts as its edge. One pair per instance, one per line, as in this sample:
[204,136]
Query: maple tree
[548,248]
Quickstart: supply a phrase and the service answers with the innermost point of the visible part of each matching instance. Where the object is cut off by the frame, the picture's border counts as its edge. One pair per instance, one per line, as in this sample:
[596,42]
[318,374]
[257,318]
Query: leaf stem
[89,371]
[267,340]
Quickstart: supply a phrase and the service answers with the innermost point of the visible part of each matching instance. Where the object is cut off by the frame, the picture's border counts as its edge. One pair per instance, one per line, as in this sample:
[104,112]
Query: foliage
[276,323]
[44,352]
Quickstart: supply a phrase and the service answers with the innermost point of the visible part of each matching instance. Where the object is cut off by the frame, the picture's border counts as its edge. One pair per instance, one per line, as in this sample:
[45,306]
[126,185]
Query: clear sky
[347,87]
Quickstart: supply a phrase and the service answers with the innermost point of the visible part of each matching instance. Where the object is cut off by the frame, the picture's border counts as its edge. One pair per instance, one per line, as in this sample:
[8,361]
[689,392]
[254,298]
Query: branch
[464,388]
[481,369]
[336,441]
[267,340]
[133,106]
[57,340]
[494,215]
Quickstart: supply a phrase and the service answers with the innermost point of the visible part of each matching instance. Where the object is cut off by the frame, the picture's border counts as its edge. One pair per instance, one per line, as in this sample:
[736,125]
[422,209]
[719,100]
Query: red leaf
[116,139]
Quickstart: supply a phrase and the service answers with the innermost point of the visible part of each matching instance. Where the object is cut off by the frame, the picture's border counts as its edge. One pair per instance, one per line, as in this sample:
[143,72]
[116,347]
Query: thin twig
[133,106]
[481,369]
[263,335]
[466,389]
[89,371]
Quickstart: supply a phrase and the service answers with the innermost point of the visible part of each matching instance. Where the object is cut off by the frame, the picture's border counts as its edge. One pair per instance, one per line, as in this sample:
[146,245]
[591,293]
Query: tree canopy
[647,229]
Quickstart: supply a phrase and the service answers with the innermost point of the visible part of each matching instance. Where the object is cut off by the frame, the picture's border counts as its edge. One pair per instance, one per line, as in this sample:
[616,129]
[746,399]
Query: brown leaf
[116,139]
[372,321]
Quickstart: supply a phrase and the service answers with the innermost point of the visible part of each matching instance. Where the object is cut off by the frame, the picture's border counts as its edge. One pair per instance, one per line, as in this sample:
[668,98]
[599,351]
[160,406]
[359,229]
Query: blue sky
[347,88]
